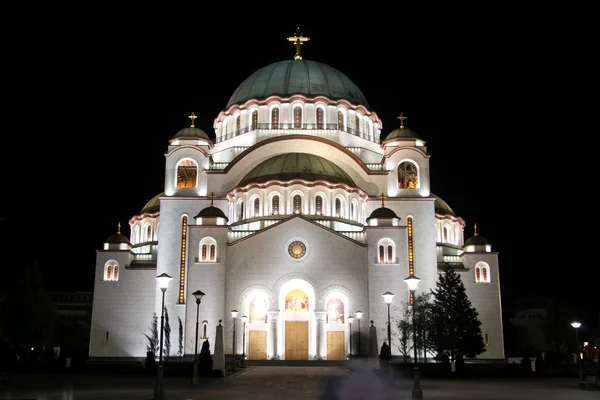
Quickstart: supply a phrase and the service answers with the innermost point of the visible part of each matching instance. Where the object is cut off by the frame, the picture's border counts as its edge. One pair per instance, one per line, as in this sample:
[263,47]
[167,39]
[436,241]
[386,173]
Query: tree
[455,327]
[404,327]
[153,343]
[167,349]
[180,351]
[423,305]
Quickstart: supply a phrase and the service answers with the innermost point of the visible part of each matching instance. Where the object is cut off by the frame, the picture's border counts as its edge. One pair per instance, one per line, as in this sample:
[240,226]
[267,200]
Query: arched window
[208,250]
[116,273]
[485,275]
[340,121]
[187,174]
[319,205]
[256,207]
[477,274]
[254,119]
[275,118]
[149,233]
[258,310]
[445,238]
[353,211]
[296,300]
[240,211]
[381,254]
[357,124]
[297,117]
[387,251]
[204,252]
[213,251]
[136,234]
[204,330]
[338,208]
[238,124]
[367,129]
[320,118]
[335,311]
[408,176]
[109,273]
[275,205]
[297,204]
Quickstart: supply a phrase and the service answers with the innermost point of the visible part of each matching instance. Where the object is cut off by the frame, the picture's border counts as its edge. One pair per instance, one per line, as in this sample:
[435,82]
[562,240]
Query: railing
[306,128]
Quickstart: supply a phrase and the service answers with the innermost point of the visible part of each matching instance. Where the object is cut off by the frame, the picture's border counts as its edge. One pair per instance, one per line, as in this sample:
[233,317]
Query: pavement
[291,383]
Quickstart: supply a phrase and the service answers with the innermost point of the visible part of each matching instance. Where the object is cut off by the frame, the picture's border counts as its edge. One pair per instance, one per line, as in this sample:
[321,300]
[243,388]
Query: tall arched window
[149,233]
[338,208]
[238,124]
[256,207]
[204,329]
[445,238]
[340,121]
[254,119]
[208,250]
[320,118]
[297,204]
[357,124]
[240,211]
[213,251]
[109,273]
[408,176]
[386,251]
[116,273]
[275,118]
[319,205]
[297,117]
[204,252]
[187,174]
[275,205]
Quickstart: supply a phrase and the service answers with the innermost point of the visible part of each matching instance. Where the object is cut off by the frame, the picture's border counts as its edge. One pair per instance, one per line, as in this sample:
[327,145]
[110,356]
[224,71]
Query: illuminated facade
[296,214]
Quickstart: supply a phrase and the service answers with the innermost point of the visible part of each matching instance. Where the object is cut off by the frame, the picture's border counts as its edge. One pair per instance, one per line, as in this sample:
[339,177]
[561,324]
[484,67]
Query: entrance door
[257,346]
[296,340]
[335,345]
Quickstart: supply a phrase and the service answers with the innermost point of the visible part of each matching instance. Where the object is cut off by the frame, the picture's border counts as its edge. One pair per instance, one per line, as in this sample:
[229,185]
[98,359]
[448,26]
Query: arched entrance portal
[297,322]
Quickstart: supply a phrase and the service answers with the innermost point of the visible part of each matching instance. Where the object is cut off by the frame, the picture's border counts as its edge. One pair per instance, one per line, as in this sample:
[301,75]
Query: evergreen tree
[153,341]
[167,347]
[180,351]
[455,326]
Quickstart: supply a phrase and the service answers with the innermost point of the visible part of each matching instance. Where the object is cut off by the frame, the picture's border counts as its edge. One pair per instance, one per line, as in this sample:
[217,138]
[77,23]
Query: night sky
[495,103]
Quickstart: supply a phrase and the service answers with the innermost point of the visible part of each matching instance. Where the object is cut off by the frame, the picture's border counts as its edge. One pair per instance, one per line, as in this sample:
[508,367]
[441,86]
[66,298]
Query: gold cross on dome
[475,230]
[402,118]
[212,197]
[119,227]
[297,39]
[382,197]
[192,117]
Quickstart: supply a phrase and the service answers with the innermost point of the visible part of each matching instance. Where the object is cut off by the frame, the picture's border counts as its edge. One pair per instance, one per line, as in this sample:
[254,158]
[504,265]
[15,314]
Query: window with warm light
[208,250]
[275,205]
[204,330]
[254,119]
[297,117]
[256,207]
[387,251]
[318,205]
[408,175]
[111,271]
[275,118]
[320,118]
[297,204]
[340,120]
[338,208]
[182,258]
[187,174]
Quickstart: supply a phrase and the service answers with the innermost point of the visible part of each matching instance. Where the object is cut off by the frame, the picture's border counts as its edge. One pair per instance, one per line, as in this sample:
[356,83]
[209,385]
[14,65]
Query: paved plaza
[291,383]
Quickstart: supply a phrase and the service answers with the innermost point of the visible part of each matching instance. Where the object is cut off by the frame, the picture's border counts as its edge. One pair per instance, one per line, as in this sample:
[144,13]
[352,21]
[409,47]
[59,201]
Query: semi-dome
[191,133]
[290,77]
[441,207]
[286,167]
[153,205]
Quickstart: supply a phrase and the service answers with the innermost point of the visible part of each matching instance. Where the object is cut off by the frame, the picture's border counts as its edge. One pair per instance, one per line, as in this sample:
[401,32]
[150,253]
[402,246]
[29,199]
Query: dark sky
[498,102]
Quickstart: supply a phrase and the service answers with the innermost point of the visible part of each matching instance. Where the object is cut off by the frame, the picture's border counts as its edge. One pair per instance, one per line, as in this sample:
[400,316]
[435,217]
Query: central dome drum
[286,167]
[305,77]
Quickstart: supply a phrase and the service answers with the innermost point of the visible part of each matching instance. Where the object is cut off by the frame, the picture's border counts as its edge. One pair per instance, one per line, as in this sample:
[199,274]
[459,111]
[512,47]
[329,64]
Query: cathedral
[293,221]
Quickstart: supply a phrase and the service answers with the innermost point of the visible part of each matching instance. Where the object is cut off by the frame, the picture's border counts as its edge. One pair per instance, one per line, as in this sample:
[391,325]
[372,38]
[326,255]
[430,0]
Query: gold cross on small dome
[402,118]
[192,117]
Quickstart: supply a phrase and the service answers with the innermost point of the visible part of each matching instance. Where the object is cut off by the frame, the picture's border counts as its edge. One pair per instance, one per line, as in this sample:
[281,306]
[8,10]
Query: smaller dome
[191,133]
[211,211]
[476,241]
[441,207]
[383,212]
[402,133]
[153,205]
[117,238]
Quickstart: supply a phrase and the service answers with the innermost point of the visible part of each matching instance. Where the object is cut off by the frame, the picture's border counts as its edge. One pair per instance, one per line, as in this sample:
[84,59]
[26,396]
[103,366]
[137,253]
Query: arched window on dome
[136,235]
[240,210]
[354,210]
[357,125]
[456,236]
[297,204]
[367,129]
[338,208]
[187,174]
[297,117]
[208,250]
[238,124]
[275,118]
[387,251]
[340,120]
[149,233]
[275,205]
[319,205]
[111,271]
[408,175]
[446,237]
[320,118]
[254,119]
[256,207]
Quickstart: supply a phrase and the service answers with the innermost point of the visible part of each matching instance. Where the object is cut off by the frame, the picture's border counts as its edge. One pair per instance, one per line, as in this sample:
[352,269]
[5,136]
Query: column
[321,340]
[272,334]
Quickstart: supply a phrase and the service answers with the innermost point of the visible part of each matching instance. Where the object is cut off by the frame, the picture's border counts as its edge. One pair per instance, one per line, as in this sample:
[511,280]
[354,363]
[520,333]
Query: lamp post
[359,315]
[198,295]
[412,282]
[577,325]
[387,297]
[159,391]
[244,320]
[234,314]
[350,321]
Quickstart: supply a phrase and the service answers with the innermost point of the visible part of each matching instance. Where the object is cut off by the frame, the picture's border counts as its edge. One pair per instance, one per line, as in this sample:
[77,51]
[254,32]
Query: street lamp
[244,320]
[234,314]
[159,391]
[577,325]
[359,315]
[387,297]
[198,295]
[350,320]
[412,282]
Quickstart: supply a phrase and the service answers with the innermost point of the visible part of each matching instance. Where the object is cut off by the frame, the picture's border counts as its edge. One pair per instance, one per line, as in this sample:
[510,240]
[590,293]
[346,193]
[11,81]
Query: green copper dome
[382,212]
[211,211]
[441,207]
[289,77]
[153,205]
[290,166]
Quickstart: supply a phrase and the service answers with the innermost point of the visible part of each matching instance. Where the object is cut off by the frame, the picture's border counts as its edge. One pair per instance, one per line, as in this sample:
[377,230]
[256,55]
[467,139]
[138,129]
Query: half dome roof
[289,166]
[305,77]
